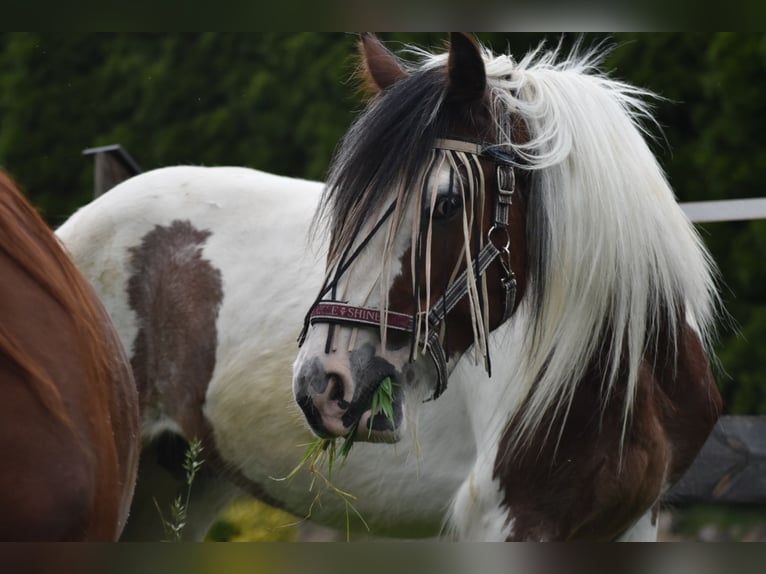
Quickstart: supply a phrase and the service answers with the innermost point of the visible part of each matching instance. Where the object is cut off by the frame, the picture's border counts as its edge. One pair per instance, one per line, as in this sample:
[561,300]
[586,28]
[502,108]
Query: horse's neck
[476,512]
[578,481]
[491,400]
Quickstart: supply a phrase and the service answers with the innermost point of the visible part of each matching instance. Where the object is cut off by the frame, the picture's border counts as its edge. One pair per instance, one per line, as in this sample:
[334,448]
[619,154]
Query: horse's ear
[467,76]
[380,68]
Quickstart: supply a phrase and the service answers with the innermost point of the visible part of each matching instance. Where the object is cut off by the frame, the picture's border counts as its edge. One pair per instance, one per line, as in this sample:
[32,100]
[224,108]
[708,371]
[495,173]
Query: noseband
[341,313]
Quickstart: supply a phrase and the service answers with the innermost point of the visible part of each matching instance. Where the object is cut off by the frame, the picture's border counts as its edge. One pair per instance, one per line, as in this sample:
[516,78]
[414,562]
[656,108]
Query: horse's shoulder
[686,396]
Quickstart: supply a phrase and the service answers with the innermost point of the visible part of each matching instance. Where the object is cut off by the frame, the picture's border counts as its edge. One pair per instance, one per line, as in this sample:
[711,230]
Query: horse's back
[68,428]
[231,200]
[187,191]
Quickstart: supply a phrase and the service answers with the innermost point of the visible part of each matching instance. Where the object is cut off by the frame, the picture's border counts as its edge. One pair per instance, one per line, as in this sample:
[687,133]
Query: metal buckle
[508,284]
[506,182]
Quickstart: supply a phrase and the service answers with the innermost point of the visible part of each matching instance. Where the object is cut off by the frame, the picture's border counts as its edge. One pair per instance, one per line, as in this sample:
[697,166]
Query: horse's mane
[613,261]
[28,241]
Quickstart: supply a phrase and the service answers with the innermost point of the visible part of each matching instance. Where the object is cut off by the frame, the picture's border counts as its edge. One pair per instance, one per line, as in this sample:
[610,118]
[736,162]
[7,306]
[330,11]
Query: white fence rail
[726,210]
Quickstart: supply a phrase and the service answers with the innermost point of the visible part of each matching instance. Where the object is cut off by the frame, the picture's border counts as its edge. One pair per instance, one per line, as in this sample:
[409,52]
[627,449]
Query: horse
[501,234]
[206,273]
[69,415]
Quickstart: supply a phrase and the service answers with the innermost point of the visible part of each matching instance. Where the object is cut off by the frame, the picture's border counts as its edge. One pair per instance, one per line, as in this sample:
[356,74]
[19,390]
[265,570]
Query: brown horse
[69,412]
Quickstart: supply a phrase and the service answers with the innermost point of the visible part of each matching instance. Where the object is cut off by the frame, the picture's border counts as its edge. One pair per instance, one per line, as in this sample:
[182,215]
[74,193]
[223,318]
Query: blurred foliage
[716,523]
[281,102]
[247,520]
[272,101]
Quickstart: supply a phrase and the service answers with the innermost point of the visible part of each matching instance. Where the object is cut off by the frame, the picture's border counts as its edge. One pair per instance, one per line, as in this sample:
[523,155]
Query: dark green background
[280,102]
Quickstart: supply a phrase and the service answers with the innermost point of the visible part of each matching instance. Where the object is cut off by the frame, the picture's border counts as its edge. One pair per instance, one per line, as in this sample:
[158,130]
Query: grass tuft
[326,449]
[179,508]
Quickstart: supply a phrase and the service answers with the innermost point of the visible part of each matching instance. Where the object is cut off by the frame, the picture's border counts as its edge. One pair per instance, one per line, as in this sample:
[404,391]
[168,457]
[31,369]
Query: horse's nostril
[337,391]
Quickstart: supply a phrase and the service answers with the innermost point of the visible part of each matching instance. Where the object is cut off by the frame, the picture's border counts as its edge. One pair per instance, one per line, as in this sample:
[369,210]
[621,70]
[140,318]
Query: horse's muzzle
[336,405]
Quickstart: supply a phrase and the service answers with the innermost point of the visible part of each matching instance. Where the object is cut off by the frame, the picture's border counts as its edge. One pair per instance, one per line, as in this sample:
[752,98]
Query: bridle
[336,312]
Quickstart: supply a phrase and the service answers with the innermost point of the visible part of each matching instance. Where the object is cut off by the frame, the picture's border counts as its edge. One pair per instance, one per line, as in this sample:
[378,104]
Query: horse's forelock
[386,148]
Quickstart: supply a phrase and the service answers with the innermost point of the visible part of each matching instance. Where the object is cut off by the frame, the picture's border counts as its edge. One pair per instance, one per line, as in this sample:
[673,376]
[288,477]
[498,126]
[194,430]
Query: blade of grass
[383,402]
[348,442]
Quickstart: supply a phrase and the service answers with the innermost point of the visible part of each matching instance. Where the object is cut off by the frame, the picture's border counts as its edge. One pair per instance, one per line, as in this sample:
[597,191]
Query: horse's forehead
[176,294]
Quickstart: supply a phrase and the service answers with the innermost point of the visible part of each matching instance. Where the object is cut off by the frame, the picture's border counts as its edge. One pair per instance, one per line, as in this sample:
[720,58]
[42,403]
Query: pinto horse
[502,226]
[206,273]
[69,414]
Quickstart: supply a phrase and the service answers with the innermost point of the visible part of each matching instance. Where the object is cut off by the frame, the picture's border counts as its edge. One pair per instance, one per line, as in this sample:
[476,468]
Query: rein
[335,312]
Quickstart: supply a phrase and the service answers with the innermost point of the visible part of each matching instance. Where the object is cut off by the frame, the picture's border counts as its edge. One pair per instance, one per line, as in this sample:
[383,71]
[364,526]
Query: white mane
[618,256]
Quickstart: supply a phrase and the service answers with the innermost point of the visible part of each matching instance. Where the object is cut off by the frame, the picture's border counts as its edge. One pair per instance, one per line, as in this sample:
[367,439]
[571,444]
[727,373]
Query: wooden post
[112,165]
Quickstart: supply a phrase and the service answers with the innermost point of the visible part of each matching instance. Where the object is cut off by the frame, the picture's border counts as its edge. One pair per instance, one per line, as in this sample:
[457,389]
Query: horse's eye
[447,206]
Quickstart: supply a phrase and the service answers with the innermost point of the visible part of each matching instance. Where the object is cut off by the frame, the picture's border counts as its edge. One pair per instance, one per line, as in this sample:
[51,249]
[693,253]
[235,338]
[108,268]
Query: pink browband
[338,312]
